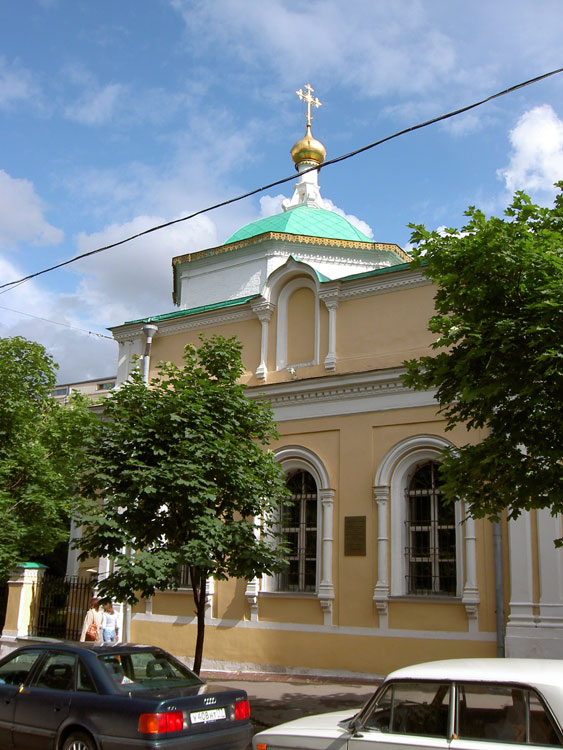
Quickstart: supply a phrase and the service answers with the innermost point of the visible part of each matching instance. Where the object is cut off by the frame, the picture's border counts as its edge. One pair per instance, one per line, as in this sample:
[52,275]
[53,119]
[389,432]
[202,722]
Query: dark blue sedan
[61,696]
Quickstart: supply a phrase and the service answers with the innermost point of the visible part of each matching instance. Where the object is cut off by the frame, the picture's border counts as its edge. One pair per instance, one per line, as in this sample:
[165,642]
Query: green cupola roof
[309,221]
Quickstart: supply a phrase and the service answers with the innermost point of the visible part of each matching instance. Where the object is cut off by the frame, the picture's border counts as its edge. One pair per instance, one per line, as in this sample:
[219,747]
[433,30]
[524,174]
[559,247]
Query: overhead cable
[58,323]
[250,193]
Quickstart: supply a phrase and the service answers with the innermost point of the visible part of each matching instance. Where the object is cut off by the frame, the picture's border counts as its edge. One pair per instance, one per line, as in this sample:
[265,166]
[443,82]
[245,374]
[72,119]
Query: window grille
[431,536]
[183,577]
[298,527]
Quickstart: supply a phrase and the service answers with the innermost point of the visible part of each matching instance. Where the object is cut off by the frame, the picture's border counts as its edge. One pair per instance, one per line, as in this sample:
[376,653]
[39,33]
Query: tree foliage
[499,360]
[183,472]
[41,454]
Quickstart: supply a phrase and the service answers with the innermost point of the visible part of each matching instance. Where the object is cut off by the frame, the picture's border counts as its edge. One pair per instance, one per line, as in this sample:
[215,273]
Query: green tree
[185,479]
[41,454]
[499,366]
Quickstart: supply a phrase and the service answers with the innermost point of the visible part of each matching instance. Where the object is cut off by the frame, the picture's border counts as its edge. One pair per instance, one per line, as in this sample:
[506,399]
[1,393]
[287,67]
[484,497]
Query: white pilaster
[331,303]
[326,587]
[381,592]
[521,570]
[470,596]
[550,560]
[521,626]
[263,311]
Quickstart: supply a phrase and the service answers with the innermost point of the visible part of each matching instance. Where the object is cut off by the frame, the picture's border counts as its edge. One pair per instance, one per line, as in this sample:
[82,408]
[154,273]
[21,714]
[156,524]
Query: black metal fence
[62,604]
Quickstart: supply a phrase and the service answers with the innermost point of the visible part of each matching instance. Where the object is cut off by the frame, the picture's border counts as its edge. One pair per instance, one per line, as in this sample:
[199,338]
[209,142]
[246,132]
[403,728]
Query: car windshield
[147,670]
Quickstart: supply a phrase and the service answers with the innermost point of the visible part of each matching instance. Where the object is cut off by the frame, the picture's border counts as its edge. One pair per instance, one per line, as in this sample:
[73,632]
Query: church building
[383,573]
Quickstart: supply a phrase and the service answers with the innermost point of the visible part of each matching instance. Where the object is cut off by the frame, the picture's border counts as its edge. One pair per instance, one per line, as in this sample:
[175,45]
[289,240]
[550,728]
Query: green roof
[193,310]
[304,220]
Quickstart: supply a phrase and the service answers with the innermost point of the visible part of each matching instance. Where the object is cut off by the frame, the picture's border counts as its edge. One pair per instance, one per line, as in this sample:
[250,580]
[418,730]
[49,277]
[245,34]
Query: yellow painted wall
[383,330]
[308,650]
[301,326]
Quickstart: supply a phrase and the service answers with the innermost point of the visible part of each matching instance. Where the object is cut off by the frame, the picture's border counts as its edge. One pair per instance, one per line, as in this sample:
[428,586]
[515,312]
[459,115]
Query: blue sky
[115,116]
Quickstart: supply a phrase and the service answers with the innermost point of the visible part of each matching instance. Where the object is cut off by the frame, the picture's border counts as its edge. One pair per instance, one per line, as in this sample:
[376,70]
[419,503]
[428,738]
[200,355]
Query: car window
[147,670]
[84,683]
[505,713]
[412,708]
[15,670]
[57,672]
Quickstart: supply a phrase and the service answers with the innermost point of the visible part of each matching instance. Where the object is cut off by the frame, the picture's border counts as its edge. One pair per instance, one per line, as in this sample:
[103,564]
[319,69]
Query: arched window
[298,527]
[430,534]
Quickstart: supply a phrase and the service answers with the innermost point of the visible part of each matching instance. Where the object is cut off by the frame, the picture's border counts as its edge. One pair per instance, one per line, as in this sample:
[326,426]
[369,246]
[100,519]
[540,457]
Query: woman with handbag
[92,627]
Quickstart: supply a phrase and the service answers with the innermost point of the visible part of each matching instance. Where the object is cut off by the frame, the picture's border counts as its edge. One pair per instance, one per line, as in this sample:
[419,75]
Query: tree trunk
[199,586]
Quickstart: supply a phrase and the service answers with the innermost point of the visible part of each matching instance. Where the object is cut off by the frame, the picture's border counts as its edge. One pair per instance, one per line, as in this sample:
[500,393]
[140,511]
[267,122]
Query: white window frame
[394,474]
[294,457]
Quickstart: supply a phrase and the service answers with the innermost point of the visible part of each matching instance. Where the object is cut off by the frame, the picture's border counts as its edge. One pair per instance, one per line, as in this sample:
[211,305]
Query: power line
[250,193]
[58,323]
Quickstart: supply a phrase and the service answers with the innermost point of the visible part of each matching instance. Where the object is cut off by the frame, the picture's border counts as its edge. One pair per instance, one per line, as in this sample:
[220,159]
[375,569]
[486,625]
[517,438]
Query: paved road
[274,701]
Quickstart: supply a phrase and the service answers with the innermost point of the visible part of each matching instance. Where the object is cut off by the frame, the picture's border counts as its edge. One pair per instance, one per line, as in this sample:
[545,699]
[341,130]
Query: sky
[118,116]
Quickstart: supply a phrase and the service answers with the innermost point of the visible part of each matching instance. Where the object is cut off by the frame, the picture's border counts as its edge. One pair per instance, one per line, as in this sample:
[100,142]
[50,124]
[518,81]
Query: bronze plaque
[355,536]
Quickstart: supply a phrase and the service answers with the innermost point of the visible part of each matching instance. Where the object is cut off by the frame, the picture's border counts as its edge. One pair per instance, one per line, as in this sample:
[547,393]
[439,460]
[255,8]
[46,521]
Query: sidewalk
[275,699]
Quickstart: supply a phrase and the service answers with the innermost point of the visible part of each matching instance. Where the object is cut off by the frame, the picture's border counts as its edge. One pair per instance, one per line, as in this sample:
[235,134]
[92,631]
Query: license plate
[211,714]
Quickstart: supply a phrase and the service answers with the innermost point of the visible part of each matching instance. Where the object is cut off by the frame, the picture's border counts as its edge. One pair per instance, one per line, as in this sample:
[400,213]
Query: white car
[457,704]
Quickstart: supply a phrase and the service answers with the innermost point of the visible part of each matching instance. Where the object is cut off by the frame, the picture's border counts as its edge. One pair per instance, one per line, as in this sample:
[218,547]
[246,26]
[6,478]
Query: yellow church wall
[171,347]
[383,330]
[352,453]
[417,614]
[299,609]
[301,650]
[173,603]
[301,327]
[229,601]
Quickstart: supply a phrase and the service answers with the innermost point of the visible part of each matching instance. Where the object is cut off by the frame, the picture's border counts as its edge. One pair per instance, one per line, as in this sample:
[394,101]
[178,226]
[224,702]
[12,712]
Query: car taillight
[261,746]
[172,721]
[242,710]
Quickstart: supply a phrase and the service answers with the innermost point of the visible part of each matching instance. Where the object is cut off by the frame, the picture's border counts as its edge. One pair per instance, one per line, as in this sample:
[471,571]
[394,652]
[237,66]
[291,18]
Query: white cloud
[376,48]
[29,309]
[271,204]
[134,280]
[16,84]
[536,160]
[22,214]
[96,105]
[358,223]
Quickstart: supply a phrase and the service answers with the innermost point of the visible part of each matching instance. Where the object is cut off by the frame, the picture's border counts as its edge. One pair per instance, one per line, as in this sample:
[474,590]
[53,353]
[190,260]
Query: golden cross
[310,99]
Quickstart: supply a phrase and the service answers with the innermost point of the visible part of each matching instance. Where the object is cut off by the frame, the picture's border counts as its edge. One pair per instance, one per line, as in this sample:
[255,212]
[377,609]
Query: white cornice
[355,393]
[381,284]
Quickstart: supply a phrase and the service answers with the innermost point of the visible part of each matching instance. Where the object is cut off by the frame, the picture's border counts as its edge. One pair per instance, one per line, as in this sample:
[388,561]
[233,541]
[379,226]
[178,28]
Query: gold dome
[308,149]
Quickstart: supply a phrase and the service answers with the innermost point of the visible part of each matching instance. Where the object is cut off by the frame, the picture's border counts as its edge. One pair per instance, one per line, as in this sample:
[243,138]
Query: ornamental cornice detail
[377,285]
[293,239]
[365,387]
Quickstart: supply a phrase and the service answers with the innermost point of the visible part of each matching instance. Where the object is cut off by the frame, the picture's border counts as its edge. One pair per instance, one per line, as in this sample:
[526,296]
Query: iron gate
[62,606]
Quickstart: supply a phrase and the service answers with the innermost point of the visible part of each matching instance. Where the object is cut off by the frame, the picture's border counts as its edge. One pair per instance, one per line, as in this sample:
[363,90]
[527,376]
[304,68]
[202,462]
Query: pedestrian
[109,624]
[92,625]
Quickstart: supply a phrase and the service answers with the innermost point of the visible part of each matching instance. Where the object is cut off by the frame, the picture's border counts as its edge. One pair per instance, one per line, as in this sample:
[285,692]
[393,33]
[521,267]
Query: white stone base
[537,643]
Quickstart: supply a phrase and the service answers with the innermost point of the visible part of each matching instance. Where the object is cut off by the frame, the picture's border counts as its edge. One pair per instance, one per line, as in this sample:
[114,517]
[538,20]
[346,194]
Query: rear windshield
[147,670]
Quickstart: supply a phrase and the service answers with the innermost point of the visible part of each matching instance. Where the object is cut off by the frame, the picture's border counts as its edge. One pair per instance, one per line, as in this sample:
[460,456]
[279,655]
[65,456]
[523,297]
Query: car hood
[329,725]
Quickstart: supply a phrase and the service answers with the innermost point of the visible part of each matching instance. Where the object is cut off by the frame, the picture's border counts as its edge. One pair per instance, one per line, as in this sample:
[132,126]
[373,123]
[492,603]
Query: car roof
[100,648]
[534,672]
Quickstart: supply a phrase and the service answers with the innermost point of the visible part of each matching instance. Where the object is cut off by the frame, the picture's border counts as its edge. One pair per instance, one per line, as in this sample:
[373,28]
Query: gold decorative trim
[299,239]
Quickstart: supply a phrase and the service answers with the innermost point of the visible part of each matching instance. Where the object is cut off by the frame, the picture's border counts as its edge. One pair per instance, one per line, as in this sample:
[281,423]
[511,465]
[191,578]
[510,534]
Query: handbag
[92,632]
